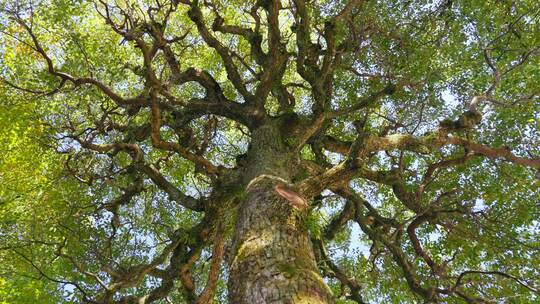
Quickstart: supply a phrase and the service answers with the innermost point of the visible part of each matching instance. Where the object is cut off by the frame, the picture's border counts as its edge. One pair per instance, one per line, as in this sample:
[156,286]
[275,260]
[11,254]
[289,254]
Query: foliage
[411,126]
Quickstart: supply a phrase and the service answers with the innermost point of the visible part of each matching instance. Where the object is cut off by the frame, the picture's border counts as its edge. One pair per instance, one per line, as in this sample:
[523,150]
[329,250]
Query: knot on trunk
[281,188]
[291,196]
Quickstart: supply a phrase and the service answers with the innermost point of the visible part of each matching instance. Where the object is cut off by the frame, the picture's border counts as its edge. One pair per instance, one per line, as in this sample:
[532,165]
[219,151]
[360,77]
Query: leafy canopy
[413,125]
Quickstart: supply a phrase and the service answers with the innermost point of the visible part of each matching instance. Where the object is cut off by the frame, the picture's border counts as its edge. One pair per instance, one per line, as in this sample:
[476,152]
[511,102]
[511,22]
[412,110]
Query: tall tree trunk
[273,260]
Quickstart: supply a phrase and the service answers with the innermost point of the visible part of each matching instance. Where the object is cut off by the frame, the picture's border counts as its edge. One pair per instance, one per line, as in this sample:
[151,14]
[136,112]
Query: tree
[252,151]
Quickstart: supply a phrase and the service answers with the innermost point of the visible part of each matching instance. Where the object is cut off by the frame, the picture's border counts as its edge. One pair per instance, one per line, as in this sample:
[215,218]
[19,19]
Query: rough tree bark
[273,259]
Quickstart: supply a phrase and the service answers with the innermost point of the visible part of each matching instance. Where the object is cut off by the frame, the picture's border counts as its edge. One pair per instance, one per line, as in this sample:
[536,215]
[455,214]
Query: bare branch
[173,192]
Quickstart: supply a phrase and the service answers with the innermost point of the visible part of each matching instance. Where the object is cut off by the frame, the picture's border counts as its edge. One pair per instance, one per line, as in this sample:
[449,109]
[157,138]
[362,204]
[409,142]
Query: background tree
[270,151]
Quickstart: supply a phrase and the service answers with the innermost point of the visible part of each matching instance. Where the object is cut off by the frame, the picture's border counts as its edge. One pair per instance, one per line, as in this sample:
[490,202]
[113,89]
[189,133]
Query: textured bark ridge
[267,154]
[273,259]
